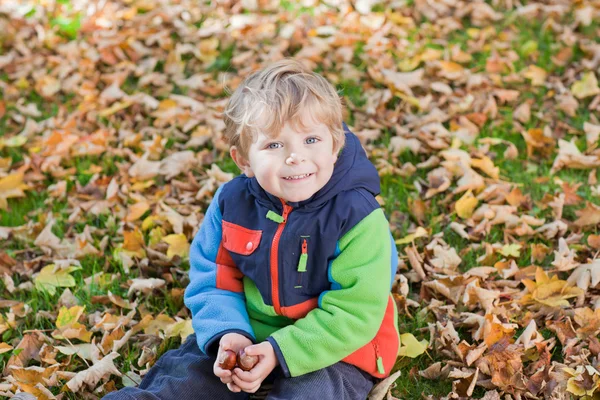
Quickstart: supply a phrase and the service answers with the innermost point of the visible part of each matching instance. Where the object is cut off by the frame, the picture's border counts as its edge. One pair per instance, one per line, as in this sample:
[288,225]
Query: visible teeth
[297,176]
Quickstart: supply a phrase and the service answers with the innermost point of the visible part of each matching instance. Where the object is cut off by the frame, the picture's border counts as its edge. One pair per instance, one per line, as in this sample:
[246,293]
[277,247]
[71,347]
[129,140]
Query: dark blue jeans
[187,374]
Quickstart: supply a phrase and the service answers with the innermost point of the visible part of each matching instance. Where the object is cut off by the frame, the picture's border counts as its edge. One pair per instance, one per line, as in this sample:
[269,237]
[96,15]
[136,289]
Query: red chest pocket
[240,240]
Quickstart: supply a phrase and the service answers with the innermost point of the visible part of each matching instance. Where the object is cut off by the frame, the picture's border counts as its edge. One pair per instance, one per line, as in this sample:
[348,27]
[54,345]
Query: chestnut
[227,359]
[246,362]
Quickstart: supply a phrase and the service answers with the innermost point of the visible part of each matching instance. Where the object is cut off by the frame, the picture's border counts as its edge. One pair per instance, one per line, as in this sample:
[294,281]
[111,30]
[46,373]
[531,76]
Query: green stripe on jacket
[348,318]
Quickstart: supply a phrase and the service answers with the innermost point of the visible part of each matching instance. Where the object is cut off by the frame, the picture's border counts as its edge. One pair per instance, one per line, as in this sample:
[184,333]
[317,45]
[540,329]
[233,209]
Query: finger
[220,372]
[246,376]
[260,369]
[224,375]
[224,344]
[257,349]
[245,386]
[233,388]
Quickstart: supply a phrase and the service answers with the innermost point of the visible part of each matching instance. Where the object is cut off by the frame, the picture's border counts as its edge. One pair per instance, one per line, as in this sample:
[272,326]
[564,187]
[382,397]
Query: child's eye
[311,140]
[273,145]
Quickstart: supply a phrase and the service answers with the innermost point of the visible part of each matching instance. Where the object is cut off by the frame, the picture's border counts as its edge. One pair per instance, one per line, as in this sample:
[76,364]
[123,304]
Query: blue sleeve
[214,311]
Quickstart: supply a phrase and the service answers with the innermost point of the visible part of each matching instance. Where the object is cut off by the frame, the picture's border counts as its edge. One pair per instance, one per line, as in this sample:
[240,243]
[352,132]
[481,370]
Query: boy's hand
[233,342]
[250,381]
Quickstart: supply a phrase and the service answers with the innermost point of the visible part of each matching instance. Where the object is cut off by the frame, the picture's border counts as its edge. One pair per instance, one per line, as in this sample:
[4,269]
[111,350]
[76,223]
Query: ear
[336,152]
[241,162]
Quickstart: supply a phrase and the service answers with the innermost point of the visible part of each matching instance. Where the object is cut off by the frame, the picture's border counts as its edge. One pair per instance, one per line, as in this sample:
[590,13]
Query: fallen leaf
[586,86]
[102,369]
[410,346]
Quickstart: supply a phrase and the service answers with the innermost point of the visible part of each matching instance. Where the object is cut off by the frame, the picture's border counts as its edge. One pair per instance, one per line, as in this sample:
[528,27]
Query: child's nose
[294,158]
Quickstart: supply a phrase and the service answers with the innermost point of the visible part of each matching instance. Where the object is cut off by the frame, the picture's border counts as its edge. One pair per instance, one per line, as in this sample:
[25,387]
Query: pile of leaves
[482,120]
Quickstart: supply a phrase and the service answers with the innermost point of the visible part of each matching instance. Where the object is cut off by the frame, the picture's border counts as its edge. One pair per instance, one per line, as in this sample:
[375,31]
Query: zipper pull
[273,216]
[303,257]
[380,367]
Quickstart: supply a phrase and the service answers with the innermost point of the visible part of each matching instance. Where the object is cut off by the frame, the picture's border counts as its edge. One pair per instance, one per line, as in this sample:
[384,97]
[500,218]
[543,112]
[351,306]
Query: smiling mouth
[297,177]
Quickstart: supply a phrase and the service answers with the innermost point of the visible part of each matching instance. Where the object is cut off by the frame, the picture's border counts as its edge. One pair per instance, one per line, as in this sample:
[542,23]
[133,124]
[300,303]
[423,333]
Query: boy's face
[294,165]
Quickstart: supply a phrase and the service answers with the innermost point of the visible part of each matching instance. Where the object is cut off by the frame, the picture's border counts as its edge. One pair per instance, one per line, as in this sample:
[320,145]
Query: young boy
[294,259]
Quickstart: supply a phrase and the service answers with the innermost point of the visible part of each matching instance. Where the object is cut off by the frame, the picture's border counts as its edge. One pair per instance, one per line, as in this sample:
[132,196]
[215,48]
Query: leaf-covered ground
[481,117]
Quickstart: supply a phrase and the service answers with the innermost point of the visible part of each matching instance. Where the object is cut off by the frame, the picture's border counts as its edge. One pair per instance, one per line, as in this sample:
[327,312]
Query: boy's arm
[215,312]
[350,314]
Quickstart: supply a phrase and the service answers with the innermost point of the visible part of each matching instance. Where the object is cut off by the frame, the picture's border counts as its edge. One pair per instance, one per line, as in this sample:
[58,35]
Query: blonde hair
[276,95]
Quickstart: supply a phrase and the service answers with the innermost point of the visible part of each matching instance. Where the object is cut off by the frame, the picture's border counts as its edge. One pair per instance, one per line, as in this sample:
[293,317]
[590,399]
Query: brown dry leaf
[504,364]
[102,369]
[30,345]
[594,241]
[592,133]
[571,196]
[588,321]
[133,244]
[536,140]
[536,74]
[145,285]
[137,210]
[539,251]
[381,390]
[5,347]
[590,215]
[586,275]
[569,156]
[564,258]
[494,332]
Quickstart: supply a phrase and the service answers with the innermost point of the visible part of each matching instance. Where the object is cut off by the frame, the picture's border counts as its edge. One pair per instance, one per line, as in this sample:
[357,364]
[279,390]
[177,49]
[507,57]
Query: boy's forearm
[349,317]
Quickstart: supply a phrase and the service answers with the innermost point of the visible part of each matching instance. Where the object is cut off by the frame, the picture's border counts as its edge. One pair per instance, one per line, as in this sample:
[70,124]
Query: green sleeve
[350,314]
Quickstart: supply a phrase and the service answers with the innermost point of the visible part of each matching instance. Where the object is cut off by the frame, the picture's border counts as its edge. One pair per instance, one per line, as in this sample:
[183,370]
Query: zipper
[274,266]
[380,367]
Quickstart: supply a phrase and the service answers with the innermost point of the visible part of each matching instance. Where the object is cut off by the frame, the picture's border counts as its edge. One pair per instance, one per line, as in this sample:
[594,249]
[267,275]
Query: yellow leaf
[178,245]
[160,323]
[68,327]
[68,316]
[510,250]
[410,346]
[420,232]
[180,328]
[587,86]
[549,291]
[156,235]
[12,186]
[486,165]
[116,107]
[465,205]
[166,104]
[49,280]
